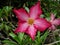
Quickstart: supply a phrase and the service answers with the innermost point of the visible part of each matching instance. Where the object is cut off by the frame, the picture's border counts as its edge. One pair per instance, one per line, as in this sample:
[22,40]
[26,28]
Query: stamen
[30,21]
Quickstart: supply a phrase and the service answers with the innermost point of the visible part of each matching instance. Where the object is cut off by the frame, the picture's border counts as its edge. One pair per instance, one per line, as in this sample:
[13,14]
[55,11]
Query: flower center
[30,21]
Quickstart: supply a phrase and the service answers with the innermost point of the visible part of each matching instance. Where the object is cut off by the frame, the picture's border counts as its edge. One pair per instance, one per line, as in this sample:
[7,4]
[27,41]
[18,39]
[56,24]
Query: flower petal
[22,27]
[41,24]
[56,22]
[32,32]
[35,11]
[52,17]
[21,14]
[52,27]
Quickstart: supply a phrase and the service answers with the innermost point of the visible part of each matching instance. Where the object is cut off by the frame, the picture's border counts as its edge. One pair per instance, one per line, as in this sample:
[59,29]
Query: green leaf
[38,34]
[15,37]
[47,14]
[44,36]
[38,38]
[1,26]
[8,42]
[7,27]
[26,8]
[20,37]
[6,10]
[0,13]
[42,16]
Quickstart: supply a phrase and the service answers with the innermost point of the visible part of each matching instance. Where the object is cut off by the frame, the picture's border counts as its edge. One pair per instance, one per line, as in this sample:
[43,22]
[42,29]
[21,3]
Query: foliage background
[8,21]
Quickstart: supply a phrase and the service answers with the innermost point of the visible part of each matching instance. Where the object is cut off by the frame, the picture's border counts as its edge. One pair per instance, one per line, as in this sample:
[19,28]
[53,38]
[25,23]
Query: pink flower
[54,22]
[31,22]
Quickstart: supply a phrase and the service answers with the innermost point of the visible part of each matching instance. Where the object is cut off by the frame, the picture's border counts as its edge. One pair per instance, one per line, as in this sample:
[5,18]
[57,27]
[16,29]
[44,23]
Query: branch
[53,43]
